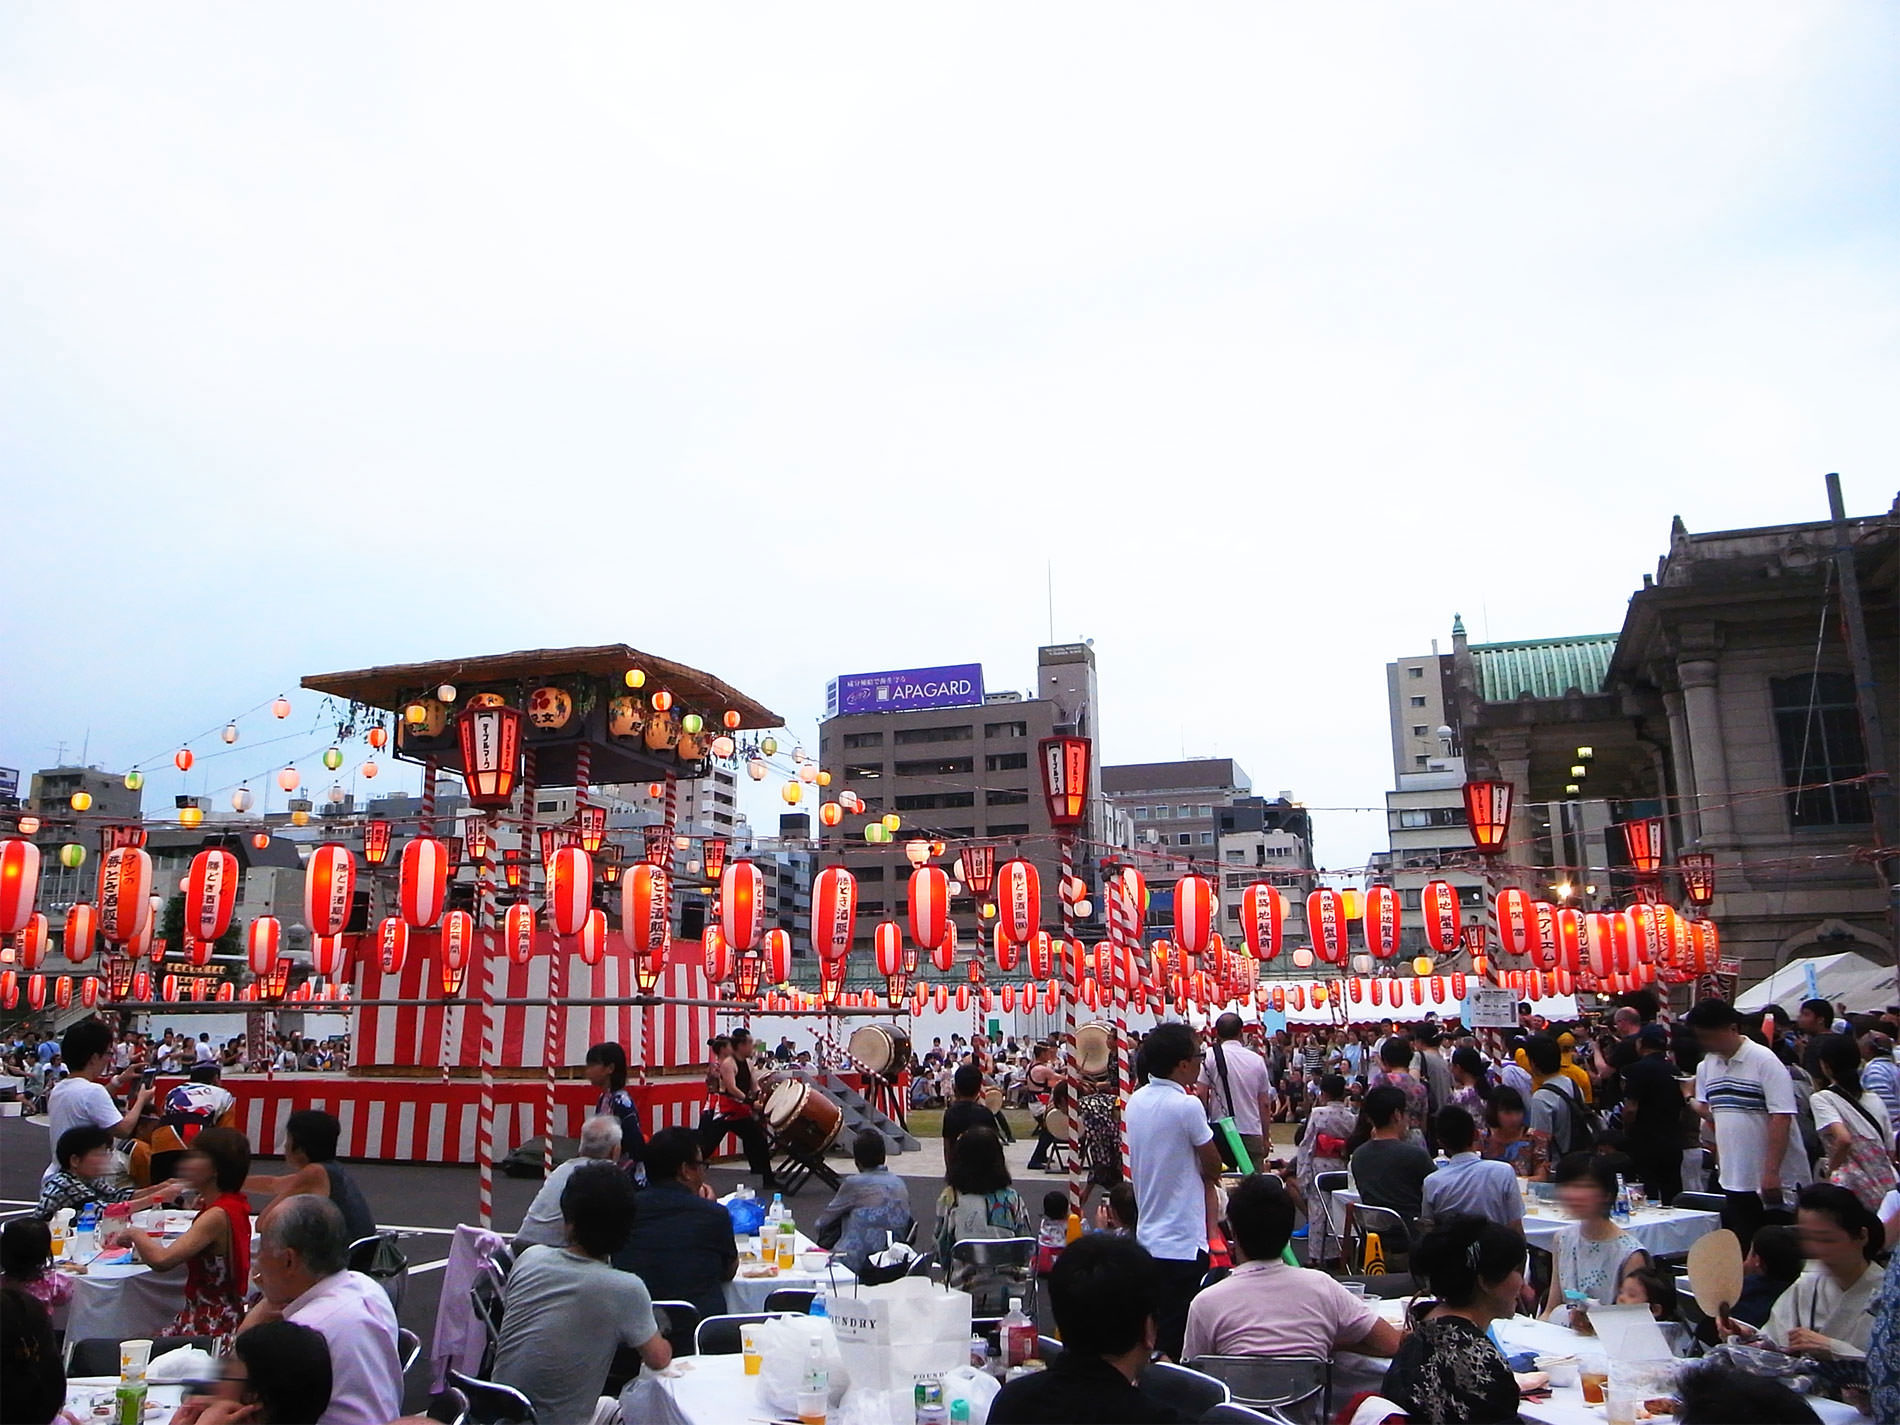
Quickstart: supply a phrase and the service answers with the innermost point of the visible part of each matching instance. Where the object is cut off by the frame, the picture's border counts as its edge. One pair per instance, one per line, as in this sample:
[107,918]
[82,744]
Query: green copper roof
[1542,668]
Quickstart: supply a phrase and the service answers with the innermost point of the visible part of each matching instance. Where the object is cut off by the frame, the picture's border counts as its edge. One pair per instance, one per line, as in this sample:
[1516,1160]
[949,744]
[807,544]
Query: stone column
[1684,766]
[1702,710]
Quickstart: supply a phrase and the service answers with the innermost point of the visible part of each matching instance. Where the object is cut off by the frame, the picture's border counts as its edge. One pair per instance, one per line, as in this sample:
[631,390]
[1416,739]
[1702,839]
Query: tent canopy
[1843,977]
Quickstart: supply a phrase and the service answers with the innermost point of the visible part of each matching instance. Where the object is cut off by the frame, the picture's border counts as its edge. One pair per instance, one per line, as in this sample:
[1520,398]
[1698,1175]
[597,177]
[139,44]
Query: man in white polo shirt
[1175,1165]
[1748,1094]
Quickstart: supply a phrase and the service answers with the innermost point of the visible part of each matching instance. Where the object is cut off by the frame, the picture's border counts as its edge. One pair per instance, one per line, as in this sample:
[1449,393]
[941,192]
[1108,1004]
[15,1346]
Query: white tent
[1843,977]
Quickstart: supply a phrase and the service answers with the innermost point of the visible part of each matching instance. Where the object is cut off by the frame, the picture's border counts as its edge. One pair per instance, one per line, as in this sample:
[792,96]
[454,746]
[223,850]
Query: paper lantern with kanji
[742,905]
[261,944]
[392,943]
[570,890]
[1517,922]
[329,889]
[1438,905]
[458,938]
[19,883]
[591,939]
[1381,922]
[34,938]
[1567,953]
[63,991]
[1327,925]
[715,958]
[518,932]
[1544,947]
[644,892]
[887,948]
[777,946]
[1262,919]
[423,882]
[211,888]
[834,912]
[1018,900]
[1193,913]
[1042,954]
[929,906]
[82,923]
[125,894]
[1646,917]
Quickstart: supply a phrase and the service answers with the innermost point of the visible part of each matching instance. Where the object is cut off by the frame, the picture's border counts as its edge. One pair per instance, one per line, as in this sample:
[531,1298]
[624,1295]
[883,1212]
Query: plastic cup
[134,1356]
[1594,1377]
[1620,1406]
[811,1407]
[1562,1370]
[749,1344]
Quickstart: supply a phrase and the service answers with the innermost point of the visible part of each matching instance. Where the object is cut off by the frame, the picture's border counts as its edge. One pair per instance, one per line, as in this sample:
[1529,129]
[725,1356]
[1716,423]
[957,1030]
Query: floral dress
[1449,1371]
[216,1282]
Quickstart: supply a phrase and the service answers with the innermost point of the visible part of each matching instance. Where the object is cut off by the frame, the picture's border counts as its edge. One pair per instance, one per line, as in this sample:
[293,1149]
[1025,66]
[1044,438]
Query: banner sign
[958,685]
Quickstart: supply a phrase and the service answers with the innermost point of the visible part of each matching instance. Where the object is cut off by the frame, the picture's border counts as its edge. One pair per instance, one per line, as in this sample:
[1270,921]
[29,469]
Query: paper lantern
[72,855]
[63,991]
[1643,838]
[1488,814]
[1041,954]
[1051,997]
[1065,779]
[9,989]
[592,938]
[1262,919]
[644,892]
[834,913]
[776,948]
[1193,913]
[742,905]
[1646,919]
[34,938]
[1382,921]
[1296,996]
[1438,905]
[19,883]
[458,937]
[490,737]
[288,779]
[1544,947]
[518,932]
[329,889]
[197,951]
[210,893]
[1019,900]
[1327,925]
[929,907]
[81,926]
[182,759]
[887,946]
[1697,869]
[375,842]
[714,956]
[392,943]
[1517,922]
[125,894]
[261,944]
[423,882]
[570,890]
[1567,926]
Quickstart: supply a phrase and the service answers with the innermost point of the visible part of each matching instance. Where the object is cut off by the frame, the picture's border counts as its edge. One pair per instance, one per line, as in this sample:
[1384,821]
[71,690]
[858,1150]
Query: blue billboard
[959,685]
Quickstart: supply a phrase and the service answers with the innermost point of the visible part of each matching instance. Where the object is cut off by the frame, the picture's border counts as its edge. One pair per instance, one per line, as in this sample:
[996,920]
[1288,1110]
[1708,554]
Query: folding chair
[719,1335]
[676,1320]
[408,1347]
[1395,1238]
[996,1264]
[450,1407]
[381,1259]
[1324,1186]
[492,1403]
[484,1298]
[1190,1392]
[794,1300]
[1298,1387]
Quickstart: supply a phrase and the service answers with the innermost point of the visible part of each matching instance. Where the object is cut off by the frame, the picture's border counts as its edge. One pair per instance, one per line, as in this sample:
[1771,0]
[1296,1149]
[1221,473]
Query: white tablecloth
[123,1303]
[1663,1231]
[82,1391]
[715,1390]
[749,1293]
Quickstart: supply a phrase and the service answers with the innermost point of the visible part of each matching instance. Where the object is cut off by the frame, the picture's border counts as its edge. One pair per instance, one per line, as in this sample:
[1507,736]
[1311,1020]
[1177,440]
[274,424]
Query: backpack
[1578,1135]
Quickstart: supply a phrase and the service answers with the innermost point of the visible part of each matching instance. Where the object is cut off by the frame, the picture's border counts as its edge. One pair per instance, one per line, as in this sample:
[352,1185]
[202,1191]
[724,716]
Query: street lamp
[1697,869]
[491,754]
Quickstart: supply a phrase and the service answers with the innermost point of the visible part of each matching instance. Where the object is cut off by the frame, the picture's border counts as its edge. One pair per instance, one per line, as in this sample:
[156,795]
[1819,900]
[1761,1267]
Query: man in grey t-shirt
[565,1310]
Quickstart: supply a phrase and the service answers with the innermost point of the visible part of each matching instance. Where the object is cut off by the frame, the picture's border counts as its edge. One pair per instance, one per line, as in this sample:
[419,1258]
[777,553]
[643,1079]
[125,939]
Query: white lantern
[241,799]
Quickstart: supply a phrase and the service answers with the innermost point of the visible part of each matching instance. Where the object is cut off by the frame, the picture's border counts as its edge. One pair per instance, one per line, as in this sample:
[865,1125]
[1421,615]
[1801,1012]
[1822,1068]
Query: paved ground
[429,1201]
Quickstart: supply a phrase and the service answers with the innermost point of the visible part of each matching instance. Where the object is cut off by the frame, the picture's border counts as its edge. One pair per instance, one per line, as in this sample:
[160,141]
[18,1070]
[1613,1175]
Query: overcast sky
[796,340]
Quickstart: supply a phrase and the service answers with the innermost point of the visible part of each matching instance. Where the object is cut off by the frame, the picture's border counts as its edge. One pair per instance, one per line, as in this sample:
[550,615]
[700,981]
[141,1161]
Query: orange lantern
[644,893]
[423,883]
[1488,814]
[592,939]
[1439,906]
[19,883]
[329,889]
[125,894]
[1382,921]
[742,905]
[518,932]
[1018,900]
[1193,913]
[34,938]
[1327,925]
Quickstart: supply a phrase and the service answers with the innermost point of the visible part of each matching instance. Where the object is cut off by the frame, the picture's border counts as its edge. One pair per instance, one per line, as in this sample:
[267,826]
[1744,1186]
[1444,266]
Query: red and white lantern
[593,938]
[1193,913]
[392,943]
[261,944]
[887,946]
[715,957]
[34,938]
[423,883]
[1517,922]
[329,954]
[518,932]
[778,955]
[81,926]
[1381,921]
[643,908]
[458,938]
[570,890]
[63,992]
[1439,906]
[834,913]
[19,883]
[1262,919]
[742,905]
[210,893]
[329,890]
[1018,901]
[1544,947]
[1327,925]
[125,894]
[929,907]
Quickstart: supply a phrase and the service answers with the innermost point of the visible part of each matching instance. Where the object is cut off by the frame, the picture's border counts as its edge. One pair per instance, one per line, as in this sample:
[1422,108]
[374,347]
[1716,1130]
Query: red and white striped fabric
[662,1037]
[423,884]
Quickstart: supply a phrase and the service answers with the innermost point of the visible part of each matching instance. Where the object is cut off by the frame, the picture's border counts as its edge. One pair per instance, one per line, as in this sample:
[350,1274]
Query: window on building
[935,767]
[1415,671]
[1418,729]
[541,806]
[863,739]
[933,801]
[1140,813]
[1013,828]
[1207,838]
[870,907]
[1006,762]
[863,771]
[1432,816]
[1417,701]
[1206,811]
[1163,813]
[1185,838]
[1006,729]
[1421,761]
[911,735]
[1004,798]
[1237,858]
[1818,728]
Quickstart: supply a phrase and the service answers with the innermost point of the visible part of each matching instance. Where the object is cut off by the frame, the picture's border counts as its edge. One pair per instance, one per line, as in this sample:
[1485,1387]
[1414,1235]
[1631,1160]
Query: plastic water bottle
[1621,1212]
[818,1307]
[814,1390]
[775,1214]
[1019,1335]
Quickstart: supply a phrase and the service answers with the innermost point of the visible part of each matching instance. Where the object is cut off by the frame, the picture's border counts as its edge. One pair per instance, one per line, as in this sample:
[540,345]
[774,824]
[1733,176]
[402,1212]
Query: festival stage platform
[423,1120]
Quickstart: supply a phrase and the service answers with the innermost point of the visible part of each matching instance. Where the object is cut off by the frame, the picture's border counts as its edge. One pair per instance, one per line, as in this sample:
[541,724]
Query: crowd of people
[39,1062]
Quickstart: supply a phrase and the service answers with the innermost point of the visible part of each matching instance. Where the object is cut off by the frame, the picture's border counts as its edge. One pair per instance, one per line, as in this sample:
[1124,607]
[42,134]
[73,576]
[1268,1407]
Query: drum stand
[794,1169]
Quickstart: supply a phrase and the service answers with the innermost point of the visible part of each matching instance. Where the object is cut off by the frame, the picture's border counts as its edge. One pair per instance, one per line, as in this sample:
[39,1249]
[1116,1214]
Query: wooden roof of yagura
[389,686]
[573,697]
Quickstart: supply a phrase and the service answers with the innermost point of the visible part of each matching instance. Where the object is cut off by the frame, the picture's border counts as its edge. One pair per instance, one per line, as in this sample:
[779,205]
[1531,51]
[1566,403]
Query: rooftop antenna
[1049,569]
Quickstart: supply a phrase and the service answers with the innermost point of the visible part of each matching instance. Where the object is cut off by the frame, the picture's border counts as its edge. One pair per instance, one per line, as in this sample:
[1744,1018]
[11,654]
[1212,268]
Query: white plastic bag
[899,1334]
[977,1387]
[184,1364]
[784,1349]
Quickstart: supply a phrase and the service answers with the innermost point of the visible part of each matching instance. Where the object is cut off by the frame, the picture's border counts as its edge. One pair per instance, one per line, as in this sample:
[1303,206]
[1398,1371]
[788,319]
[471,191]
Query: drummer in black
[737,1110]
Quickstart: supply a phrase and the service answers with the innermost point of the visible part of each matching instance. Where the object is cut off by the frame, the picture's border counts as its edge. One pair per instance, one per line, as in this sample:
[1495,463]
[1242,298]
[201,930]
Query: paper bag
[892,1337]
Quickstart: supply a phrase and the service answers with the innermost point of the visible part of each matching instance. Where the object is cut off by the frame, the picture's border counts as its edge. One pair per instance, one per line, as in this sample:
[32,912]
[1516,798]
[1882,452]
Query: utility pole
[1886,808]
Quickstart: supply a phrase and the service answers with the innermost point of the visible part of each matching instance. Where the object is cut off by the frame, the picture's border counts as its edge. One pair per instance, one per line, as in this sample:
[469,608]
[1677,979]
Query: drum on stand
[993,1099]
[802,1119]
[1095,1049]
[882,1048]
[1055,1123]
